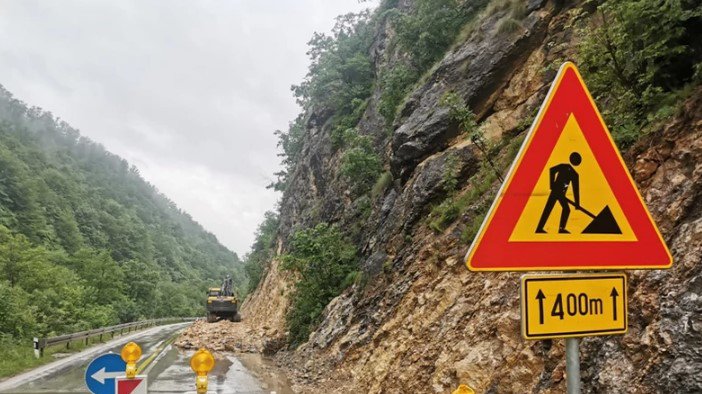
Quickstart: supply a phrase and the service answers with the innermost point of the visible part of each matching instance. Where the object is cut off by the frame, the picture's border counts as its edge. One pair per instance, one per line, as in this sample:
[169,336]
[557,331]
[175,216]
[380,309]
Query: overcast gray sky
[189,91]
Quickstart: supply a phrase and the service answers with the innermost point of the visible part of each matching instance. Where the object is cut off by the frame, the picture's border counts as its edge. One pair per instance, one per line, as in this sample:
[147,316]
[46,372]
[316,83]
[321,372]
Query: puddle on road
[267,372]
[240,373]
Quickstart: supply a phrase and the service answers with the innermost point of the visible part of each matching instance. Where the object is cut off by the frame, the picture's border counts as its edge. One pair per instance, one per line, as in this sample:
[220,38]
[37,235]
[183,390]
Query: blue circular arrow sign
[102,371]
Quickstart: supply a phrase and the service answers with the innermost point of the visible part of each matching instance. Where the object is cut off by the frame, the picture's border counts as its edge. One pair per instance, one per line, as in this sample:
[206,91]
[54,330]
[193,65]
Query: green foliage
[471,230]
[383,182]
[344,123]
[450,175]
[363,207]
[445,213]
[340,70]
[461,114]
[424,34]
[18,354]
[525,123]
[457,204]
[360,164]
[508,25]
[519,9]
[395,83]
[17,318]
[325,263]
[428,31]
[85,241]
[497,6]
[262,250]
[338,83]
[637,54]
[290,143]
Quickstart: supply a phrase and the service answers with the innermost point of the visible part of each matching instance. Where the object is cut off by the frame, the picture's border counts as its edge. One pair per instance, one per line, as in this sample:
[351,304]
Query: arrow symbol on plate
[614,295]
[540,296]
[102,375]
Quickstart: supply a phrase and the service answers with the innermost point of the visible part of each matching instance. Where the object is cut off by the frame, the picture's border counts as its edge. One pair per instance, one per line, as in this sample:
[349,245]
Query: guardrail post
[38,348]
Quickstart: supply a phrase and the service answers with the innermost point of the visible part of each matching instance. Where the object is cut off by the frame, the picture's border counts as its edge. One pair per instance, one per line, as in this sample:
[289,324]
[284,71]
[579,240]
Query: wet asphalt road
[170,372]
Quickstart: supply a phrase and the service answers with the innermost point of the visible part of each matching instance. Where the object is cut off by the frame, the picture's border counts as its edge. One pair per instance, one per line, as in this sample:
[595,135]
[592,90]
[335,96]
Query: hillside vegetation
[85,241]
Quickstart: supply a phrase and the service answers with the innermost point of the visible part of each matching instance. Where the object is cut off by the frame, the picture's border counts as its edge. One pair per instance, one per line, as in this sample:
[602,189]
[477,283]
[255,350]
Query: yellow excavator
[222,303]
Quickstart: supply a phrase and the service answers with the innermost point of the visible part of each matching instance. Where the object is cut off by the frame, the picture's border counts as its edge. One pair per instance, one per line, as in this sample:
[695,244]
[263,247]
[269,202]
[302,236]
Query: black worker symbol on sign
[561,177]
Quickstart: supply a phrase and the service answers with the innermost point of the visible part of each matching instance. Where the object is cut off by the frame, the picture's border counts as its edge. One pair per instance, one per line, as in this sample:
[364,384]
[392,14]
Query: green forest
[85,241]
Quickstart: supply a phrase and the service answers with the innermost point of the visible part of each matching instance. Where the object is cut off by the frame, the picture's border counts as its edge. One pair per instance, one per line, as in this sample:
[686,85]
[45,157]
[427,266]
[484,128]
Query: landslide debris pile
[399,158]
[220,336]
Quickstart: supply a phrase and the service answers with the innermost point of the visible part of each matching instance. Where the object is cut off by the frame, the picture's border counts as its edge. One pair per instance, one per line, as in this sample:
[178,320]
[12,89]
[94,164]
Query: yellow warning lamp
[131,353]
[463,389]
[202,362]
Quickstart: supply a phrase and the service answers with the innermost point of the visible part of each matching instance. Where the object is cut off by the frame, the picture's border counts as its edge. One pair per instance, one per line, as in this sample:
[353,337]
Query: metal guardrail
[42,343]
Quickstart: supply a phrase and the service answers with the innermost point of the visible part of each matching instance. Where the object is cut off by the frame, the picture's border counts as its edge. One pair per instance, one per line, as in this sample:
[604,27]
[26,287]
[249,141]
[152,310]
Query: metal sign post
[572,365]
[569,149]
[571,306]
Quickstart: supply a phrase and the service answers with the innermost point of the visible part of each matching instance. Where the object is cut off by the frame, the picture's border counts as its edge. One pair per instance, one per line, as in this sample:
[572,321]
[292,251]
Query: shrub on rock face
[396,83]
[636,56]
[323,259]
[360,164]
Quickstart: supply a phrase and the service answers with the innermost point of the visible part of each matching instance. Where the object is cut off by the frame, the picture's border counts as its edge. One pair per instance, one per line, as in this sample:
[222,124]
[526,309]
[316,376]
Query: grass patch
[508,25]
[511,150]
[384,180]
[519,10]
[455,205]
[18,354]
[497,6]
[471,230]
[444,214]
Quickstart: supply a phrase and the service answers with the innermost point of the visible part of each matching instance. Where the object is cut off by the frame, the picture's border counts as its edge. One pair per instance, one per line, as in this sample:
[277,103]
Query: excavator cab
[222,303]
[214,292]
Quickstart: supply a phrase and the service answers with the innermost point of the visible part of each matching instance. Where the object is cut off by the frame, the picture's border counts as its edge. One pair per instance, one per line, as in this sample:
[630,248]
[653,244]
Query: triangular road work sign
[568,202]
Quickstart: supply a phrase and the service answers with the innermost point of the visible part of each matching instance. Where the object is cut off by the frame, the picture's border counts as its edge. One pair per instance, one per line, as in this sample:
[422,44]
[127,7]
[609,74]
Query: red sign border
[491,249]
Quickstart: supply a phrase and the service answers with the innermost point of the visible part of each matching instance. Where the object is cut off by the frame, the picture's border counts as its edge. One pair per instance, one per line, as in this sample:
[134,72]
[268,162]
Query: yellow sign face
[568,201]
[561,306]
[584,184]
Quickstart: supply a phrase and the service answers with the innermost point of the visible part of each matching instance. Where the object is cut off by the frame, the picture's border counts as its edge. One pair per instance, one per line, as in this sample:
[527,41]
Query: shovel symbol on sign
[561,176]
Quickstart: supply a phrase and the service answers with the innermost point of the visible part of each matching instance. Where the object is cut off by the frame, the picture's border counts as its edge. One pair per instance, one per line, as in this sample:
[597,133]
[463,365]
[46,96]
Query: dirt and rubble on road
[262,329]
[221,336]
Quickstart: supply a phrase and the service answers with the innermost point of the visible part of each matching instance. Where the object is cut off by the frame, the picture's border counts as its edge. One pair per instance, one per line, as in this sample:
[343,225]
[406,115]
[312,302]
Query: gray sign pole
[572,366]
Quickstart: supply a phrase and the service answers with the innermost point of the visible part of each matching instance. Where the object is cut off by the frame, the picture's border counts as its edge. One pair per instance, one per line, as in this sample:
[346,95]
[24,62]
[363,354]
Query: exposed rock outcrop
[421,322]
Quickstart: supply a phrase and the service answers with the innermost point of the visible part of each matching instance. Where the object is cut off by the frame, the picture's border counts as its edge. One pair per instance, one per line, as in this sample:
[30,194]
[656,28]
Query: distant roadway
[168,369]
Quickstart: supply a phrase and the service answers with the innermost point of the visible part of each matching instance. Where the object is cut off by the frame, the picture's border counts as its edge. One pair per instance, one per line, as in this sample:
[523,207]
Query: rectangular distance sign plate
[573,305]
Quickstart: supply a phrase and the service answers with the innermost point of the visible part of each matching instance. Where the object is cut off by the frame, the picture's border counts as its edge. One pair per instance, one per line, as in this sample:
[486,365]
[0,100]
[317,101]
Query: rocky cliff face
[422,322]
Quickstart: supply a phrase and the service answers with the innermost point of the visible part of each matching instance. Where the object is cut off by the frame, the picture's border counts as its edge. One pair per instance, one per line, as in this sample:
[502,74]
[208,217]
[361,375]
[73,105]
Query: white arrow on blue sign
[102,371]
